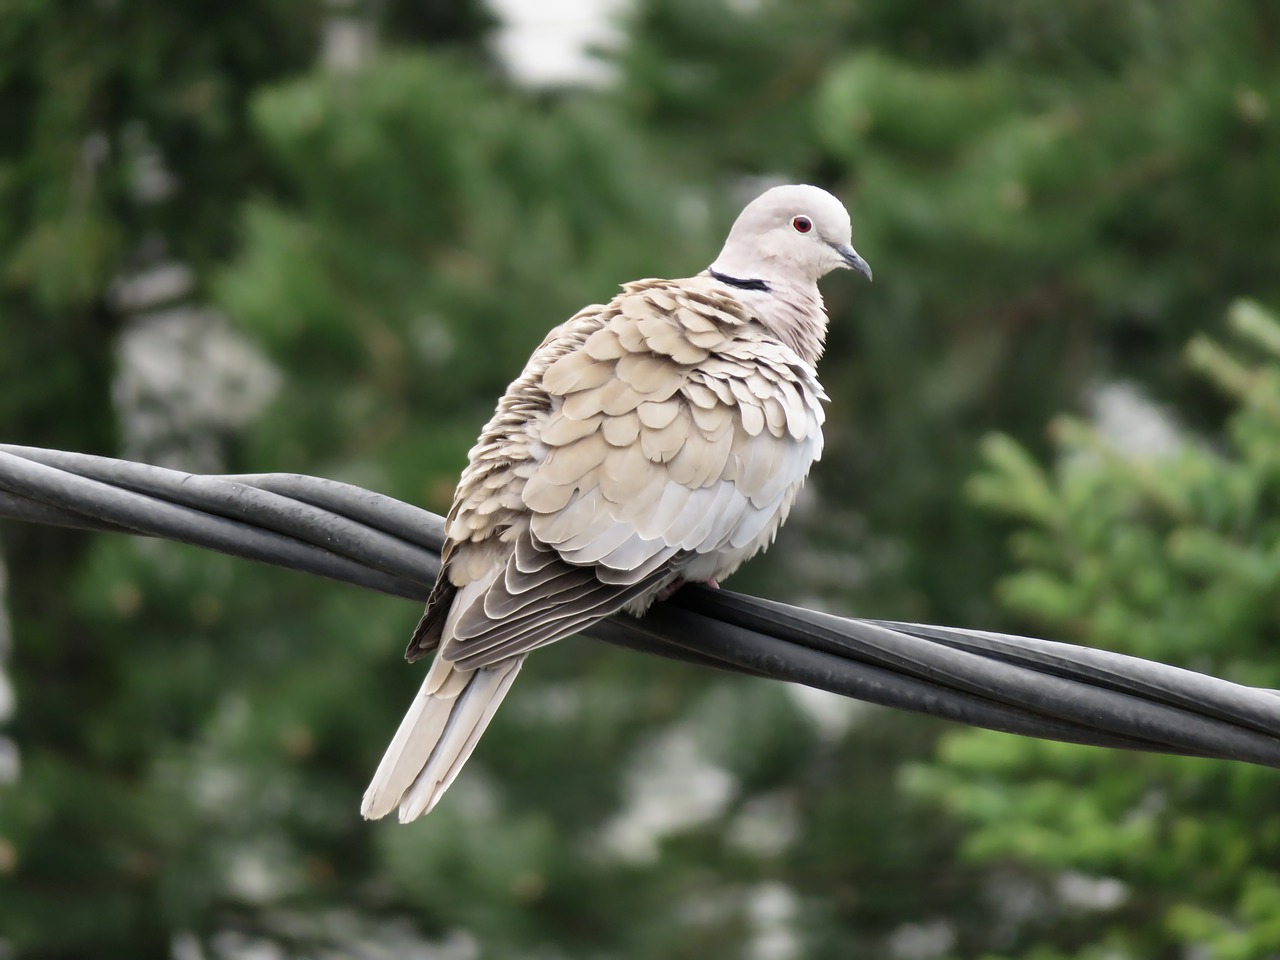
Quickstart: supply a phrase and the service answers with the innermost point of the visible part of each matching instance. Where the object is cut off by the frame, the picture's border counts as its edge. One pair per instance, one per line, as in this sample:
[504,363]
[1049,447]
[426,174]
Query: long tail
[437,736]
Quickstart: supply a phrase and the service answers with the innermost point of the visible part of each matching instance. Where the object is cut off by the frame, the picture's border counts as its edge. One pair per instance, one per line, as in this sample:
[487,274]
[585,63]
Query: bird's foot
[669,590]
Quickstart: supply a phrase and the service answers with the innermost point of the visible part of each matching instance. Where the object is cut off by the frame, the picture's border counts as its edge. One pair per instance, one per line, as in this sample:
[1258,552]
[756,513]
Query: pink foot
[667,592]
[712,583]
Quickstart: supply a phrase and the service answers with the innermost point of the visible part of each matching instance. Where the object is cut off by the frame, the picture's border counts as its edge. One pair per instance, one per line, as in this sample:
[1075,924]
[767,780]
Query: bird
[652,441]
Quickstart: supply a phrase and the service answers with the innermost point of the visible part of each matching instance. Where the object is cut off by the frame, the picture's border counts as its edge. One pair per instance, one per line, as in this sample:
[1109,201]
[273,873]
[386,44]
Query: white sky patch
[548,44]
[147,289]
[773,908]
[831,713]
[672,787]
[767,825]
[1131,422]
[1086,894]
[329,935]
[185,378]
[767,912]
[233,945]
[927,940]
[259,873]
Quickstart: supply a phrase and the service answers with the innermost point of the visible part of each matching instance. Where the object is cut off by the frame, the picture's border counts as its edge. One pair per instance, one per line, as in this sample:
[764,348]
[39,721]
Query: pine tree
[1051,198]
[1054,198]
[125,140]
[1167,553]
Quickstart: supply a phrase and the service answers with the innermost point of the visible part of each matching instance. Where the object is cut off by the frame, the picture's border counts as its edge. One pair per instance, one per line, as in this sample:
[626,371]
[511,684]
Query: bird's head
[790,234]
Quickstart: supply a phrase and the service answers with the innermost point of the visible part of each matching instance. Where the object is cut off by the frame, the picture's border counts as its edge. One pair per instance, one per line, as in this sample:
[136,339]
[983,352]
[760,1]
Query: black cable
[1193,691]
[208,512]
[759,653]
[1134,713]
[1015,684]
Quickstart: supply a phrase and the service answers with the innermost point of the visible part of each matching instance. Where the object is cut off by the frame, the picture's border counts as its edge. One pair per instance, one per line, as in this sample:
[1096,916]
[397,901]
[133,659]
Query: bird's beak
[852,260]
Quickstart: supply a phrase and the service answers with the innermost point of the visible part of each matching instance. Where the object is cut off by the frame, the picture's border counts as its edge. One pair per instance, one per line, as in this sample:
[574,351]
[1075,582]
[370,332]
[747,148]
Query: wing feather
[661,436]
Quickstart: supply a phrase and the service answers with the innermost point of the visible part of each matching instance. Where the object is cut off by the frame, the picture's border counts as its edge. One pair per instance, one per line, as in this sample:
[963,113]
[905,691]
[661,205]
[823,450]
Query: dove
[655,440]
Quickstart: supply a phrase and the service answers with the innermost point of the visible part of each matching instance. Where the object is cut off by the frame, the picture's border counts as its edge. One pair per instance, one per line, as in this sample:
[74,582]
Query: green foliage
[1168,556]
[1051,196]
[428,201]
[1056,193]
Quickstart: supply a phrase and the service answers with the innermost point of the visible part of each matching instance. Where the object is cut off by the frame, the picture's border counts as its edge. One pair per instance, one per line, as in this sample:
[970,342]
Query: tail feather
[436,737]
[470,716]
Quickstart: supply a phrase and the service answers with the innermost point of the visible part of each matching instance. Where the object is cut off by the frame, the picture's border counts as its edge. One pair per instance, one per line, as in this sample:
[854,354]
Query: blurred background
[321,236]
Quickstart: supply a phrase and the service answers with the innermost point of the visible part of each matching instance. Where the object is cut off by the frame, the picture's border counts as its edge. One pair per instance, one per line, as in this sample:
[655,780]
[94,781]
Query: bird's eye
[802,224]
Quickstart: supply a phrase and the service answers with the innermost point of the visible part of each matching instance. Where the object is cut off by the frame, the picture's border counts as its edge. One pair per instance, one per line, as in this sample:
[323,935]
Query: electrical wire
[1020,685]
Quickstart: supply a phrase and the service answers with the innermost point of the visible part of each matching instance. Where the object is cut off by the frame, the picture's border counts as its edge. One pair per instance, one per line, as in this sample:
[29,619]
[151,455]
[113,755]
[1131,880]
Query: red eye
[802,224]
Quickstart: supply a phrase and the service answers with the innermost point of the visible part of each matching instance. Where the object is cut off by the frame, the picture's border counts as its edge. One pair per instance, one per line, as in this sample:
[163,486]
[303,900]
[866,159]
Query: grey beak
[852,260]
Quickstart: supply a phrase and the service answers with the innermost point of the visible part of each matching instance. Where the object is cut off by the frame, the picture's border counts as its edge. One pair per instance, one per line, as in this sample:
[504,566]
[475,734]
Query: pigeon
[655,440]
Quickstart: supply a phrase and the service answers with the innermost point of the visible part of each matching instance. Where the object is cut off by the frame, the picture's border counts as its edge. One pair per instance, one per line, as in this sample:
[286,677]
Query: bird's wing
[663,428]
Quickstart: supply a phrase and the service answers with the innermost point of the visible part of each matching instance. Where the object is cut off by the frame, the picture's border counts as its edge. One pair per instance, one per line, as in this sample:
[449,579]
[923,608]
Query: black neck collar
[739,283]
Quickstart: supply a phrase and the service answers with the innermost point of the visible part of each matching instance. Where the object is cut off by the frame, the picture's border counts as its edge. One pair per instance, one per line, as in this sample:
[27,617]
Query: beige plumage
[658,439]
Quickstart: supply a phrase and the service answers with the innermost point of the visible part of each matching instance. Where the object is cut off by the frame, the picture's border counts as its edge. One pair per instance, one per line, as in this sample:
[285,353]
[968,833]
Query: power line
[1020,685]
